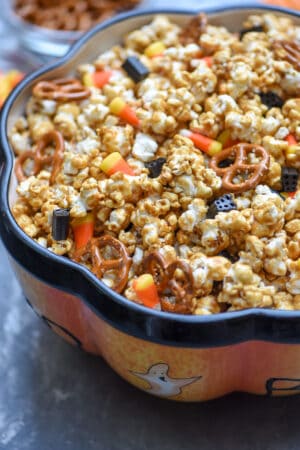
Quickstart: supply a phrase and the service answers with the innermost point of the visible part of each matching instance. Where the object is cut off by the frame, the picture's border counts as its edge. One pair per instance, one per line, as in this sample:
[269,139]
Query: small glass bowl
[11,58]
[40,40]
[43,41]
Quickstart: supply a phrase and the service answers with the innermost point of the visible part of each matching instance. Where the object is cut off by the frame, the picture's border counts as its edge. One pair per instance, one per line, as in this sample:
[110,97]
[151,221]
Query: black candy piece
[129,227]
[135,68]
[225,163]
[226,254]
[155,167]
[257,29]
[60,224]
[271,100]
[217,287]
[289,179]
[221,204]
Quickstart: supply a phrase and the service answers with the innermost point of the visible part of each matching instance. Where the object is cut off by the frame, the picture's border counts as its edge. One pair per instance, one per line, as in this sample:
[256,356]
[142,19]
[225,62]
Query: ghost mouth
[163,379]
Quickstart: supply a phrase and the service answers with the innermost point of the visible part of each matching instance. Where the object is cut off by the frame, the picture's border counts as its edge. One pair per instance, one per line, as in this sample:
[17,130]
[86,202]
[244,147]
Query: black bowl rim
[165,328]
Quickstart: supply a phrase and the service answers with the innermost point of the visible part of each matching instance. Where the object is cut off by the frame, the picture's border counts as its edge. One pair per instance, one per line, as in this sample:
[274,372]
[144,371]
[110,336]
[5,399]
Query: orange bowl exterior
[177,373]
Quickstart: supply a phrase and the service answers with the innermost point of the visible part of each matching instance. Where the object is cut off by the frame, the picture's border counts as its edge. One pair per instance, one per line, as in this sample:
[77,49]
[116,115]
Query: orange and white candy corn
[204,143]
[146,290]
[98,79]
[155,49]
[114,163]
[119,108]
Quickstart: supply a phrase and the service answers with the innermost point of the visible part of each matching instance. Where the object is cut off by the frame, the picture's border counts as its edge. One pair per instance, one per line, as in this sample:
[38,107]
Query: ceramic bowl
[186,358]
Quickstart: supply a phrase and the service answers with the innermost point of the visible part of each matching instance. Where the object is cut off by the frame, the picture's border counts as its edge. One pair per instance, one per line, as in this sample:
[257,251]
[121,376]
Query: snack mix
[169,166]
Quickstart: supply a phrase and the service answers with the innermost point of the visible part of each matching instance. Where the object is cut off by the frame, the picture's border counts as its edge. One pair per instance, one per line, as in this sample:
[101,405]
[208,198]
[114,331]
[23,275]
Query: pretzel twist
[288,50]
[193,30]
[40,159]
[156,264]
[93,251]
[61,90]
[239,166]
[166,281]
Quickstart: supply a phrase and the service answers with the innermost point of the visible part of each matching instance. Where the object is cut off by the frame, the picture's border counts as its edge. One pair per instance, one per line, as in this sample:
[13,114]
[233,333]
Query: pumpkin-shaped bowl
[181,357]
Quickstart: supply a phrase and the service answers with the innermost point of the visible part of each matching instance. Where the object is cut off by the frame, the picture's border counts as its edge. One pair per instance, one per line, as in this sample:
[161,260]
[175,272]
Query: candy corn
[288,194]
[208,60]
[115,163]
[118,107]
[155,49]
[291,139]
[5,89]
[204,143]
[7,82]
[146,290]
[226,140]
[99,78]
[14,77]
[83,230]
[291,152]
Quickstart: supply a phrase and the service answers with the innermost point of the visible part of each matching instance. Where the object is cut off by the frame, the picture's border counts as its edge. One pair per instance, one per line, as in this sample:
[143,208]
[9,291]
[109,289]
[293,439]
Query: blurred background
[53,396]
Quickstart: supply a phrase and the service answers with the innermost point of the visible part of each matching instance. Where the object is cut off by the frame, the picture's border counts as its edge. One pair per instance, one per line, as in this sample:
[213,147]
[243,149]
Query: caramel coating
[246,93]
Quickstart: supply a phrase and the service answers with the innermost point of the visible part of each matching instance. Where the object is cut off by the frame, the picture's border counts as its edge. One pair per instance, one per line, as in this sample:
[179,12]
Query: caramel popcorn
[242,288]
[136,165]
